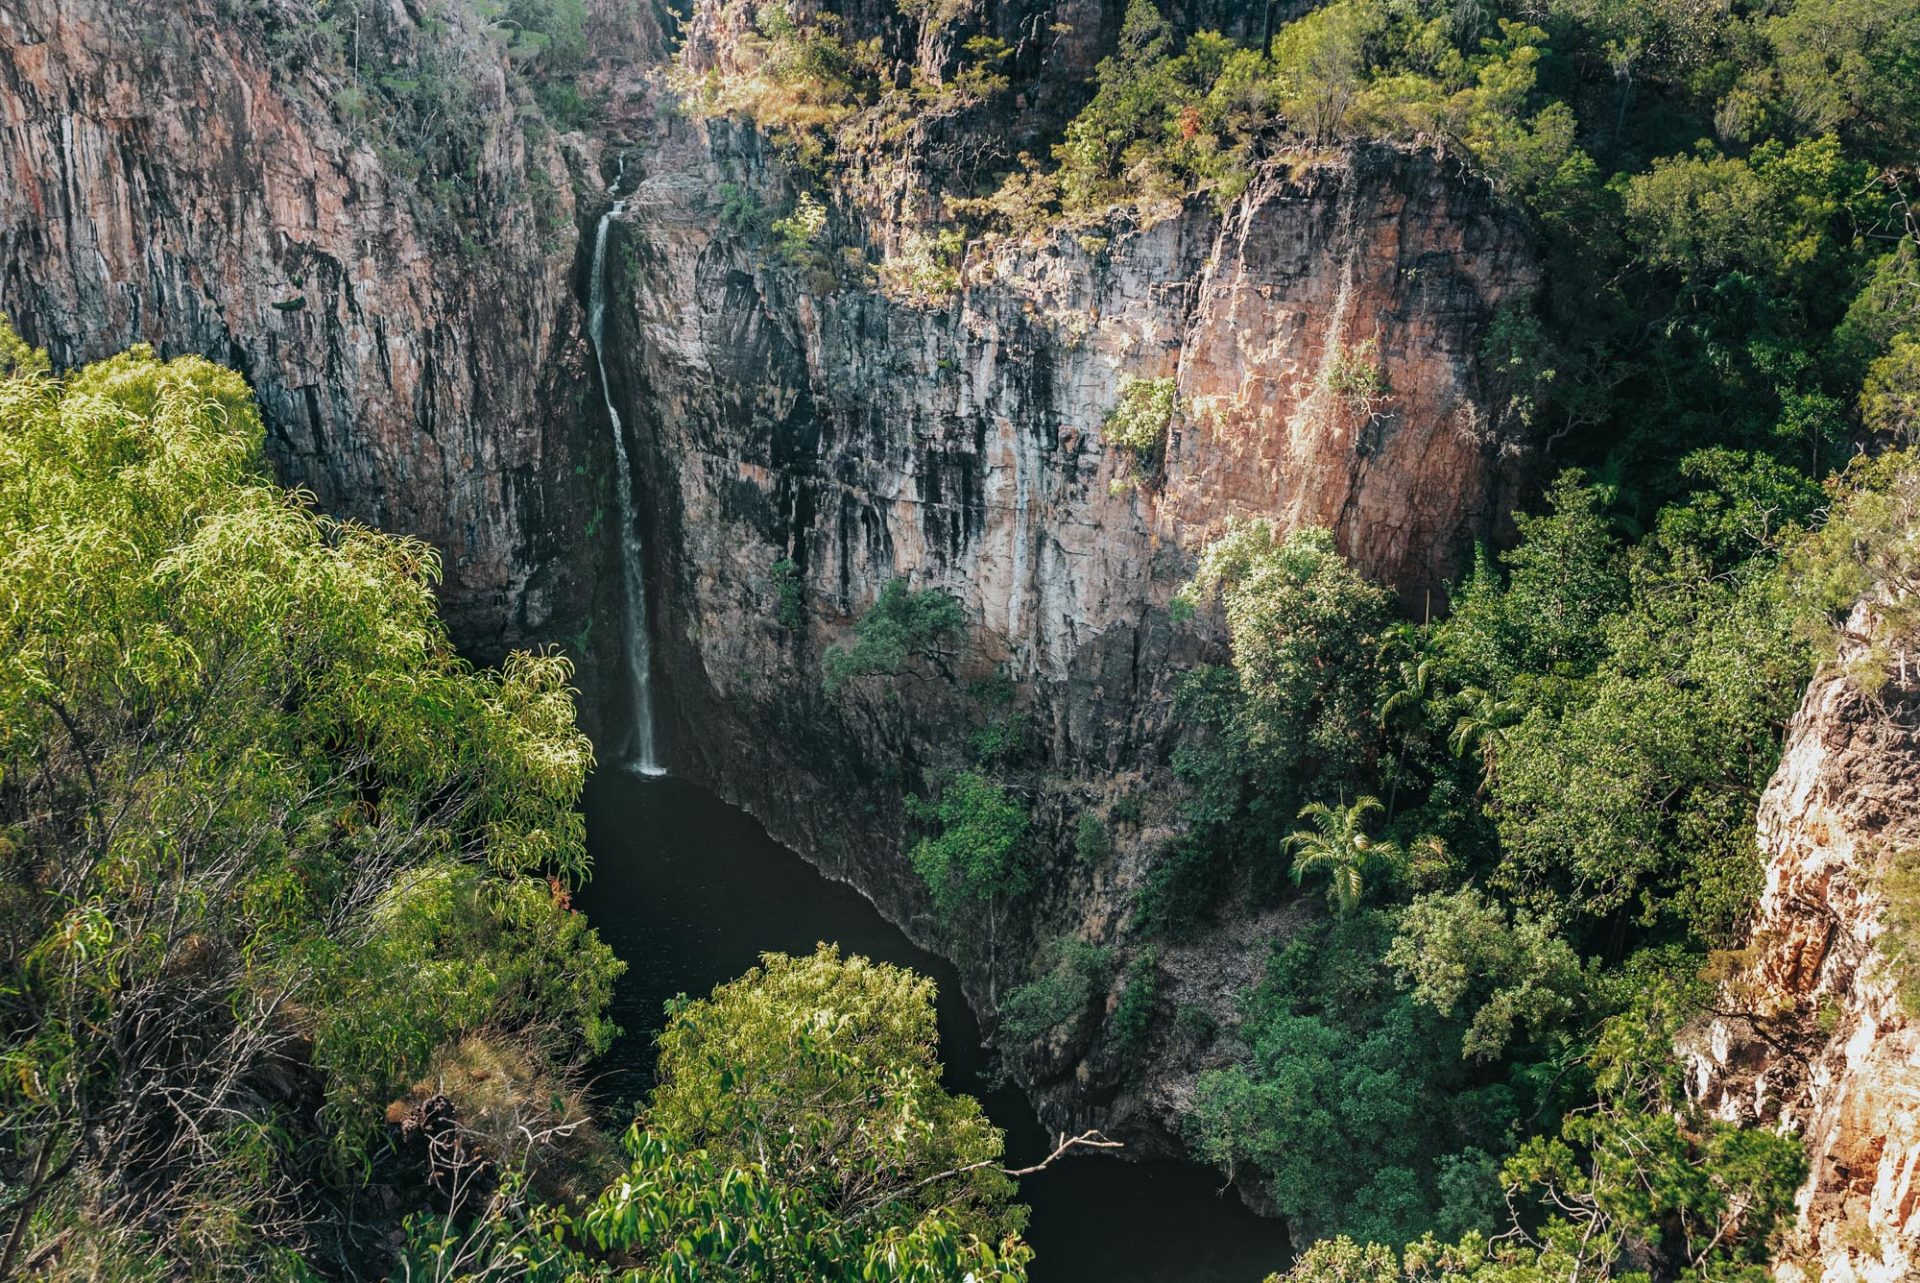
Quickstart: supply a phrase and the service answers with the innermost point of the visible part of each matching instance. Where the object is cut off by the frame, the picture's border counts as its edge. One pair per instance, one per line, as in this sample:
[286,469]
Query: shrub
[1133,1015]
[979,851]
[790,592]
[1071,973]
[797,235]
[902,624]
[1090,840]
[1141,416]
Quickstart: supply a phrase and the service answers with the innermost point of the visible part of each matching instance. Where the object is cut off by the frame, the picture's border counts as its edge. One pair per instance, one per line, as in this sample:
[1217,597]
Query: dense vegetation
[271,849]
[289,971]
[1530,822]
[291,974]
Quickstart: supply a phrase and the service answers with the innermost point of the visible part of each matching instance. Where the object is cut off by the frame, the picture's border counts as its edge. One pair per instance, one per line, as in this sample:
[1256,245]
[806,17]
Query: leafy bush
[979,850]
[1090,840]
[1133,1014]
[1140,418]
[1069,975]
[902,624]
[790,590]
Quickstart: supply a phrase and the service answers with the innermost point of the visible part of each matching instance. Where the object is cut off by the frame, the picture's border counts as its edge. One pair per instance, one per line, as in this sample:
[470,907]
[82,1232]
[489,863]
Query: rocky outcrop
[183,174]
[1821,1044]
[806,415]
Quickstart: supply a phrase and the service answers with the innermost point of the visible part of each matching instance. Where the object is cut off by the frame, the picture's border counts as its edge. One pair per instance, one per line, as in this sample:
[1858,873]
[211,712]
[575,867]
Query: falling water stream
[635,640]
[689,891]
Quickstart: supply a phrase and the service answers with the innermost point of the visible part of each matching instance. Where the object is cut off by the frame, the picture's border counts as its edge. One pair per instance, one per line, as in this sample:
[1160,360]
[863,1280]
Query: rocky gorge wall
[179,174]
[1815,1039]
[175,175]
[852,436]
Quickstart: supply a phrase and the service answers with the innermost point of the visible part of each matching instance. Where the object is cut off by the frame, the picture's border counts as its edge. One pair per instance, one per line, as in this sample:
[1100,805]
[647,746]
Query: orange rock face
[1826,1049]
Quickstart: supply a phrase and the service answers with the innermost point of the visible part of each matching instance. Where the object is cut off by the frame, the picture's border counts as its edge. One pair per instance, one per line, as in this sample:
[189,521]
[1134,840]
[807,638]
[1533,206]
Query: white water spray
[635,642]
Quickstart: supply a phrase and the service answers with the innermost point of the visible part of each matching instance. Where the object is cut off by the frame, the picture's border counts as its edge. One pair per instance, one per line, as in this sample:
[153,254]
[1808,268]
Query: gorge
[1088,478]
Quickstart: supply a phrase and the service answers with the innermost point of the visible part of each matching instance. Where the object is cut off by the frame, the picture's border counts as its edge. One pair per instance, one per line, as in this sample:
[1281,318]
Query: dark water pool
[690,891]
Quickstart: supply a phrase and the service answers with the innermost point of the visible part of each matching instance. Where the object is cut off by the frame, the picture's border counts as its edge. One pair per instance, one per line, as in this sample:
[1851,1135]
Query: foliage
[979,851]
[1341,1260]
[1458,949]
[825,1071]
[1356,378]
[902,624]
[1890,398]
[1133,1014]
[926,271]
[1636,1176]
[1340,1061]
[1070,974]
[1899,944]
[790,590]
[1337,844]
[1091,842]
[1865,552]
[832,98]
[694,1215]
[1303,623]
[799,1130]
[797,235]
[254,811]
[1140,417]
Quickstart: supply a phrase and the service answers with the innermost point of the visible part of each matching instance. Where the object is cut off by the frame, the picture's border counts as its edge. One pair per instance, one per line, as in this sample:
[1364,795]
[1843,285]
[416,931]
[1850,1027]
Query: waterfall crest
[636,643]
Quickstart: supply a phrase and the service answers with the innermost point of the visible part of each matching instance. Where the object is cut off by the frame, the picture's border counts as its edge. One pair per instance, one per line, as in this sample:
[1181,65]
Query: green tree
[255,813]
[1458,949]
[1337,845]
[901,625]
[798,1131]
[824,1072]
[1305,627]
[1482,727]
[1070,973]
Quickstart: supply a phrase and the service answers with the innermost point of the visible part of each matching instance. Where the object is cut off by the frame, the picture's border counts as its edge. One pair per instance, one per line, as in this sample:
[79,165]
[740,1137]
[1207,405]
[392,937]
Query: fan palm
[1337,845]
[1484,721]
[1405,709]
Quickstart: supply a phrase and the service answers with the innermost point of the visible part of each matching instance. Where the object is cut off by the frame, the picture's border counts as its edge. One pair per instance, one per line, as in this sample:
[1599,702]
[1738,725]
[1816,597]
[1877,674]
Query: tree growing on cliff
[902,624]
[978,853]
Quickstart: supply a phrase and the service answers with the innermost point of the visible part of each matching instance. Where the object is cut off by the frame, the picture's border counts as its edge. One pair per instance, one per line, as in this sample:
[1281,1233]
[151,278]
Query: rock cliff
[1816,1039]
[851,436]
[408,302]
[187,174]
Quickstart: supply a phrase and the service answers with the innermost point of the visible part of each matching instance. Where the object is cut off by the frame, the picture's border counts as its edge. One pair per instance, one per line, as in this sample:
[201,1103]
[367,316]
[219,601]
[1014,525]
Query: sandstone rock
[167,181]
[1823,1046]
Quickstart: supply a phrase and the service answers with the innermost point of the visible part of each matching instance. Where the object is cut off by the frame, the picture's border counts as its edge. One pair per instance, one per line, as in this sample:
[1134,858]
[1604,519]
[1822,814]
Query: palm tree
[1484,721]
[1338,845]
[1405,709]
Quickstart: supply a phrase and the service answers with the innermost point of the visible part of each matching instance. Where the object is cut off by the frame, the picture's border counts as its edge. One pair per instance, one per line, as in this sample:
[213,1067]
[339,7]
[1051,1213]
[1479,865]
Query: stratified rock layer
[1826,1049]
[165,182]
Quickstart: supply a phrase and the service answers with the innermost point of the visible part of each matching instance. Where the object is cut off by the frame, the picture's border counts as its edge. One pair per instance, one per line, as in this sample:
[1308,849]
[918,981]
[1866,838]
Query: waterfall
[635,642]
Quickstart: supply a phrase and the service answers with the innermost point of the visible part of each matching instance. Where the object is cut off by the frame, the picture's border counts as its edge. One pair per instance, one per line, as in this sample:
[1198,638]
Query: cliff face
[178,174]
[1824,1047]
[193,175]
[956,441]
